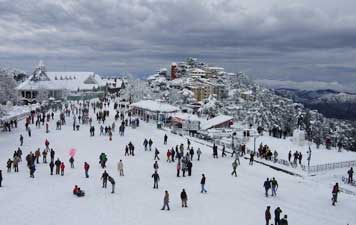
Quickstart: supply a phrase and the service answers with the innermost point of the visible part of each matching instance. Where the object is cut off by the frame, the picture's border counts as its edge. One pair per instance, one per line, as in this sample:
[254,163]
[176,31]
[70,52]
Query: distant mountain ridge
[331,103]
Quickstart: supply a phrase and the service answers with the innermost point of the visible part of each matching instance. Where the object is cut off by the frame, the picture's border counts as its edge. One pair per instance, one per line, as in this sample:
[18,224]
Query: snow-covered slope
[49,200]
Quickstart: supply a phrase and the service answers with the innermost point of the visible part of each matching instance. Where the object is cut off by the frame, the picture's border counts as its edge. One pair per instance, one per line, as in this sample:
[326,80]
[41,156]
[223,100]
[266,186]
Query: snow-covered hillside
[47,199]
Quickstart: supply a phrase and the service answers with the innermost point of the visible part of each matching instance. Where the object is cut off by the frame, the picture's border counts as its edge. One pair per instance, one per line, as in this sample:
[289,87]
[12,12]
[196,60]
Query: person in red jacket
[268,215]
[86,169]
[168,155]
[62,168]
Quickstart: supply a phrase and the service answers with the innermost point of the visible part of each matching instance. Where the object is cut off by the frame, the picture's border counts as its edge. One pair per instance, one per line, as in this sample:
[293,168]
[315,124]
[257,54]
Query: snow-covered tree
[7,87]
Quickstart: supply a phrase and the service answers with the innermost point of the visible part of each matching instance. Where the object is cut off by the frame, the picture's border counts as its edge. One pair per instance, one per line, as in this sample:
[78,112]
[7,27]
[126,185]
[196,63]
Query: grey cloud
[270,39]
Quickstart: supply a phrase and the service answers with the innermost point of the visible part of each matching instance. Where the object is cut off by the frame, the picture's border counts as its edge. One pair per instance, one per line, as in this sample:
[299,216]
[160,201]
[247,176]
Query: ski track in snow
[48,200]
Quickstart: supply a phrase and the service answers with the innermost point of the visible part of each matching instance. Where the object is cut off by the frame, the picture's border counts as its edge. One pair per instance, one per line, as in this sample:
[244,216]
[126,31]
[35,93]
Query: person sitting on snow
[78,192]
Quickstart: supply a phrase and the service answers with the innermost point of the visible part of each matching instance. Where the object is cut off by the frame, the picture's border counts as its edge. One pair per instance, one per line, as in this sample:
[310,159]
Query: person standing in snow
[51,166]
[202,183]
[32,170]
[104,177]
[52,153]
[155,166]
[274,185]
[166,201]
[8,165]
[71,161]
[29,131]
[86,169]
[335,192]
[38,155]
[44,155]
[267,186]
[0,178]
[184,198]
[155,177]
[112,181]
[289,156]
[277,216]
[268,215]
[58,166]
[145,143]
[189,167]
[120,167]
[234,167]
[21,140]
[252,155]
[178,168]
[199,153]
[215,151]
[165,139]
[350,172]
[62,168]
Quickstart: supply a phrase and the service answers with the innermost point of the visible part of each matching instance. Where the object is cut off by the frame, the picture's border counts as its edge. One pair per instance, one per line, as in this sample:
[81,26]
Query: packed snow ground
[48,200]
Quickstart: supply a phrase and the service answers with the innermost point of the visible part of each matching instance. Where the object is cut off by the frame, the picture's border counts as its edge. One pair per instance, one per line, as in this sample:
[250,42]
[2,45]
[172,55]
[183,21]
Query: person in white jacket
[120,168]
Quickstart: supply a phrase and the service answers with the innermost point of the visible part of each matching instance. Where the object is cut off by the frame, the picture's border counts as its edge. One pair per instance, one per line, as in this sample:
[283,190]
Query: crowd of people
[184,156]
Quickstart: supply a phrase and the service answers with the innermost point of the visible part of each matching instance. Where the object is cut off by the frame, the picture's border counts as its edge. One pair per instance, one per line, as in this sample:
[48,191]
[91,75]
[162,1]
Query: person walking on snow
[284,221]
[156,154]
[155,166]
[267,186]
[120,167]
[202,183]
[86,169]
[268,215]
[274,184]
[166,201]
[335,192]
[184,198]
[199,153]
[112,181]
[234,167]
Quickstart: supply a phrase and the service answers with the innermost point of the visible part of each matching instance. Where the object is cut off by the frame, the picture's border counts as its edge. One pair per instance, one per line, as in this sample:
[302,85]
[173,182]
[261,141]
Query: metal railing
[330,166]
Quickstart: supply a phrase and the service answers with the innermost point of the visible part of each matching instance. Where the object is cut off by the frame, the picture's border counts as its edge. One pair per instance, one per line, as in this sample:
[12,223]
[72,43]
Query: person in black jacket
[189,166]
[202,183]
[104,177]
[277,216]
[267,186]
[184,198]
[165,139]
[58,166]
[0,177]
[155,179]
[284,221]
[51,166]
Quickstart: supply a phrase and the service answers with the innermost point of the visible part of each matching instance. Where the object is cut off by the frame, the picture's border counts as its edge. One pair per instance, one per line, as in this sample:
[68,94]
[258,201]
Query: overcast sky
[295,40]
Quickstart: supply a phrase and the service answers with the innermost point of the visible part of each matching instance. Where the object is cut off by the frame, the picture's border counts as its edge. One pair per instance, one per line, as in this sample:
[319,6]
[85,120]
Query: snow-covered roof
[155,106]
[215,121]
[188,116]
[64,80]
[197,70]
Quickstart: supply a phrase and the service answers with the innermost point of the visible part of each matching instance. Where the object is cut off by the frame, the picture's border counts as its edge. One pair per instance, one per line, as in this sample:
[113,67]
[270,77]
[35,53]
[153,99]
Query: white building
[42,85]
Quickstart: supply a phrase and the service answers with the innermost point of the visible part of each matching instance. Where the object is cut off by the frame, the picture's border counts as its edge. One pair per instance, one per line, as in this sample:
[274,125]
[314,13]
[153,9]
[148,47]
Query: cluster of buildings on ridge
[199,78]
